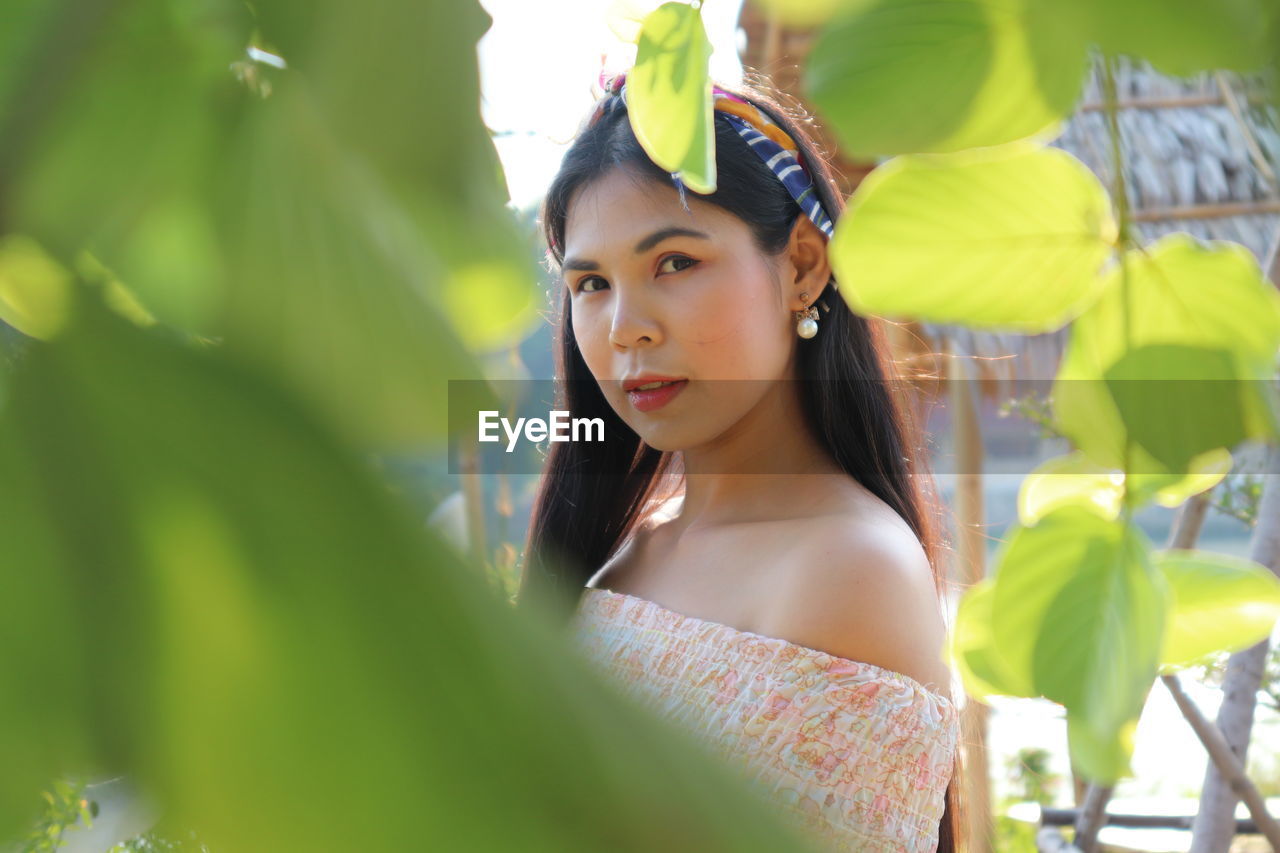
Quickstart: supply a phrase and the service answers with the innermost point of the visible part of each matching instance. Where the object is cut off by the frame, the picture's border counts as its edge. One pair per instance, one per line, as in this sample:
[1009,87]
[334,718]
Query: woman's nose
[634,322]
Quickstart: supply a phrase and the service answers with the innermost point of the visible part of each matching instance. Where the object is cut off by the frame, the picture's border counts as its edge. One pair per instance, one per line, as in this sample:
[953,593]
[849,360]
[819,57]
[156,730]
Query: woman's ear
[807,267]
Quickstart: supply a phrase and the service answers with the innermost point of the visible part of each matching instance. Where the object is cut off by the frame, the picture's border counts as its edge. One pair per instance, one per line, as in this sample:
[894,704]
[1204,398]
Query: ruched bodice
[860,754]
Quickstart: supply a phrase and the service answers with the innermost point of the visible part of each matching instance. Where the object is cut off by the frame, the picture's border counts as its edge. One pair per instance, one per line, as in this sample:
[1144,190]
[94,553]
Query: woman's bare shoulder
[860,586]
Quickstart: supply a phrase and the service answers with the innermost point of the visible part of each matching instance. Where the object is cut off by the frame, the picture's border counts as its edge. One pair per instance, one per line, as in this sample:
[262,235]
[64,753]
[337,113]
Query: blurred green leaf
[347,316]
[232,611]
[1078,610]
[131,118]
[1069,480]
[404,111]
[339,221]
[1178,37]
[1166,362]
[975,654]
[1101,754]
[809,13]
[910,76]
[1218,603]
[1170,490]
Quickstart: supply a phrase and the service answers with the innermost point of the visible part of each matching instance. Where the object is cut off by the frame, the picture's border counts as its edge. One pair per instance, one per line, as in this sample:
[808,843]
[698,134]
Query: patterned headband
[770,142]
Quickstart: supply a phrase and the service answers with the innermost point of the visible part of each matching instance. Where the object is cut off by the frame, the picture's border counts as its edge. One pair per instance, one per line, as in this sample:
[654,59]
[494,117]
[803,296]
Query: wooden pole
[972,550]
[1205,211]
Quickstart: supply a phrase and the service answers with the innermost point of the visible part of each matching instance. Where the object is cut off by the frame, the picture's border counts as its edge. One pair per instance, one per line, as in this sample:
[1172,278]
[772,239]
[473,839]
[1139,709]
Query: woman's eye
[584,284]
[690,261]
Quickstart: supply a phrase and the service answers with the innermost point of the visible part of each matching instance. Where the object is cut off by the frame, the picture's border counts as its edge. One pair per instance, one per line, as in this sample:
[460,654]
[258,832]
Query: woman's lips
[647,401]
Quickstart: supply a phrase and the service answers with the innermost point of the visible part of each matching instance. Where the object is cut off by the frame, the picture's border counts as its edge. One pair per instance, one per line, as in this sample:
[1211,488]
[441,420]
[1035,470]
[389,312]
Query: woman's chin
[666,440]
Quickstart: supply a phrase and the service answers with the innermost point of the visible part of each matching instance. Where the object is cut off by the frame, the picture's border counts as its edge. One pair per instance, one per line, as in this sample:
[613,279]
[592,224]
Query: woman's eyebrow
[643,246]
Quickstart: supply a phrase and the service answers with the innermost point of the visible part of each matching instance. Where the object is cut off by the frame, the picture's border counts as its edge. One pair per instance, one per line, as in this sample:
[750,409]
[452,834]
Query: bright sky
[538,66]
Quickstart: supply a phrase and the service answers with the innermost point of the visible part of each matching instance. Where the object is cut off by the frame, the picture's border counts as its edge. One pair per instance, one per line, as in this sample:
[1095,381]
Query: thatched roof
[1202,156]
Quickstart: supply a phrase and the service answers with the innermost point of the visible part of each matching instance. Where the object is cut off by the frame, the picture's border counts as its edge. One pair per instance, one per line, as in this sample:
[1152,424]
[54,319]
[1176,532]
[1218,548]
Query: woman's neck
[769,466]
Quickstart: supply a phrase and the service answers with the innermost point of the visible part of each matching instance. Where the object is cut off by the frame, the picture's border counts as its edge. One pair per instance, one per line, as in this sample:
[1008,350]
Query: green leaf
[1072,479]
[1008,237]
[1219,603]
[1078,610]
[908,76]
[394,138]
[669,95]
[1170,490]
[1102,756]
[348,318]
[1184,370]
[138,121]
[1153,412]
[973,649]
[1069,480]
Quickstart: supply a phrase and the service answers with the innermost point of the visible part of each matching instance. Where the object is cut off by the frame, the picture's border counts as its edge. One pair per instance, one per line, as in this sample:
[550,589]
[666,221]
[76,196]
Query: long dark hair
[584,509]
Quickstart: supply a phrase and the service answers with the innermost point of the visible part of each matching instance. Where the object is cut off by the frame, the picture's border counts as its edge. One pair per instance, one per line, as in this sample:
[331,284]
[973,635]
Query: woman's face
[657,291]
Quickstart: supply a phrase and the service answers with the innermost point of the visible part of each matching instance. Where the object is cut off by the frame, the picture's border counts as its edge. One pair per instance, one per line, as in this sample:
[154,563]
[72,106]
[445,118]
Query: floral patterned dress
[860,754]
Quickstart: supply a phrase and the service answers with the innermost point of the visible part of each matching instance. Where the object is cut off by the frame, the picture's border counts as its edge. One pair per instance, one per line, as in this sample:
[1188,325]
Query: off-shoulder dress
[860,754]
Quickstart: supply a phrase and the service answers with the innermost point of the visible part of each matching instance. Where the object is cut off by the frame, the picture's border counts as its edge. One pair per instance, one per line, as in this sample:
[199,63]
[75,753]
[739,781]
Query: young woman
[754,557]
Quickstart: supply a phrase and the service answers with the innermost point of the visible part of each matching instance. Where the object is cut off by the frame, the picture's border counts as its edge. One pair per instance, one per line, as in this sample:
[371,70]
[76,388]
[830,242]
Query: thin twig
[1250,141]
[1225,760]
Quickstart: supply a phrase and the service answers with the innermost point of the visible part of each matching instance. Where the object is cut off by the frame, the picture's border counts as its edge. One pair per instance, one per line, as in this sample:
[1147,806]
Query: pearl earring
[806,320]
